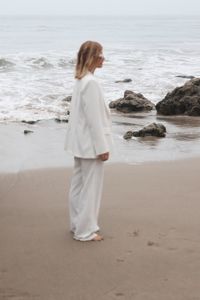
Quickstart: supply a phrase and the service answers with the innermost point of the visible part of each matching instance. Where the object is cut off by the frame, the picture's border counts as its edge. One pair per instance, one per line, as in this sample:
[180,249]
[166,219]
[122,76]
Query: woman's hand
[104,156]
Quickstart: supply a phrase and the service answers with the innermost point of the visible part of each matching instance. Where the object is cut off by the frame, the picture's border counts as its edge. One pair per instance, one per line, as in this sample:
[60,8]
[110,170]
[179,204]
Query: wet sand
[149,218]
[43,146]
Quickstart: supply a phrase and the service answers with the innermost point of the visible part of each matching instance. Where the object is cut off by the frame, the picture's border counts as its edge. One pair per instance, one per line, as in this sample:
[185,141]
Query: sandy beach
[150,221]
[149,214]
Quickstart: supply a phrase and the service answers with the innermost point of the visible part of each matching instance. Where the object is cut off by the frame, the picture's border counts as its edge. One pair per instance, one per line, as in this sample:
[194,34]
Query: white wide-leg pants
[85,196]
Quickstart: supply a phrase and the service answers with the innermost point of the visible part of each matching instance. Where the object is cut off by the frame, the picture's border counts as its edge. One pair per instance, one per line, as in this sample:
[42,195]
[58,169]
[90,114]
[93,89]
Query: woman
[88,139]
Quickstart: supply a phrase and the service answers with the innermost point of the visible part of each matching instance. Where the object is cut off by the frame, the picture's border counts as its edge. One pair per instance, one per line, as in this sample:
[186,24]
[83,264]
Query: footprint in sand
[172,248]
[135,233]
[120,260]
[119,294]
[151,243]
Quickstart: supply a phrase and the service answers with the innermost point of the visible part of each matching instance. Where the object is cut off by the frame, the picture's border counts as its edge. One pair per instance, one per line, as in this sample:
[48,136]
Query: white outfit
[84,197]
[88,135]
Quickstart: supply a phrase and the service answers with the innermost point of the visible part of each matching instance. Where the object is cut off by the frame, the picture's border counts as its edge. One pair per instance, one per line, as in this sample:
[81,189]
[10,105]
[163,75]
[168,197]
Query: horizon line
[101,15]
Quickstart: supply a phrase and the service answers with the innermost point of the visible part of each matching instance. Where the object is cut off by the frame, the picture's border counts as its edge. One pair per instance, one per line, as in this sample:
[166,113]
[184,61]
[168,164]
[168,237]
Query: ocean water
[37,60]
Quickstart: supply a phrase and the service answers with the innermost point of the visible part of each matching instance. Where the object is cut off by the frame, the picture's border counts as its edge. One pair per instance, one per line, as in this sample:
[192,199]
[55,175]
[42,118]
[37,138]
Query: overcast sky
[99,7]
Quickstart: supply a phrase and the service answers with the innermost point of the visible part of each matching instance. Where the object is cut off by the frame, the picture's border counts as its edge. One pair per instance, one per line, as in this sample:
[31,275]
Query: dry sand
[149,218]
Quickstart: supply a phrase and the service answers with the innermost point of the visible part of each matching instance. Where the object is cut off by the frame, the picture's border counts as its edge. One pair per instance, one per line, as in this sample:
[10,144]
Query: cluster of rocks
[31,122]
[58,119]
[184,100]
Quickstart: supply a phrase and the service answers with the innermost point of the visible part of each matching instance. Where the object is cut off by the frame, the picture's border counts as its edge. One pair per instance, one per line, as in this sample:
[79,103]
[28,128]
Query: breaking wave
[21,61]
[5,64]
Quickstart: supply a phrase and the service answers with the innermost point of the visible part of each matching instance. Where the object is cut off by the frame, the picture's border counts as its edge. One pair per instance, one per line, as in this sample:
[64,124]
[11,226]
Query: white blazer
[89,127]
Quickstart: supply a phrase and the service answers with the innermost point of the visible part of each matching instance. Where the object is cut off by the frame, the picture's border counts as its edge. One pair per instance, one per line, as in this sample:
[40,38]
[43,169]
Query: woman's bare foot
[97,238]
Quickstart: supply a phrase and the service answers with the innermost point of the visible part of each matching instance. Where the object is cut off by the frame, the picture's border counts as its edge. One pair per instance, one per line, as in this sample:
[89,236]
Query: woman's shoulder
[89,80]
[89,77]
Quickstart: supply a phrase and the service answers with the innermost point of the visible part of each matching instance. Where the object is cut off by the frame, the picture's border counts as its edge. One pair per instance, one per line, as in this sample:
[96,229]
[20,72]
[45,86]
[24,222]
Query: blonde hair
[86,58]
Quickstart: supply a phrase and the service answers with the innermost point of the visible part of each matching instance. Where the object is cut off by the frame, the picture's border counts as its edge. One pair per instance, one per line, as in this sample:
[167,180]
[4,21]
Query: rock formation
[132,102]
[182,100]
[154,129]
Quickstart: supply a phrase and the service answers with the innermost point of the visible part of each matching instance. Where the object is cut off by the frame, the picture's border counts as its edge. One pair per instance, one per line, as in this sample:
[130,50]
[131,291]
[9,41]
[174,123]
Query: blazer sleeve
[94,109]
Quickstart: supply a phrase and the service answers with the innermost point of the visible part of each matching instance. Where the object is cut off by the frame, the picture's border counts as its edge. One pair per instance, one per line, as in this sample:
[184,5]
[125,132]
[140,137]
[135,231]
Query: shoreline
[43,146]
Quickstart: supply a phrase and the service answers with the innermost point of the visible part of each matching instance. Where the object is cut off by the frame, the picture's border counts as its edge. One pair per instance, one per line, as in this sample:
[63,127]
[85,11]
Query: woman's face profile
[100,60]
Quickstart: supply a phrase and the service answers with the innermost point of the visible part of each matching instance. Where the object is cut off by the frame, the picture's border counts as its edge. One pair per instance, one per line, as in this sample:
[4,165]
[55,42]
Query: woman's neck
[91,70]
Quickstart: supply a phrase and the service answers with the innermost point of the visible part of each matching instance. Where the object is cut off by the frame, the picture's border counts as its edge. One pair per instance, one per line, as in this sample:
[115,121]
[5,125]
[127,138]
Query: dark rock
[124,80]
[28,131]
[30,122]
[154,129]
[195,111]
[132,102]
[67,99]
[182,100]
[61,120]
[128,135]
[128,92]
[185,76]
[114,104]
